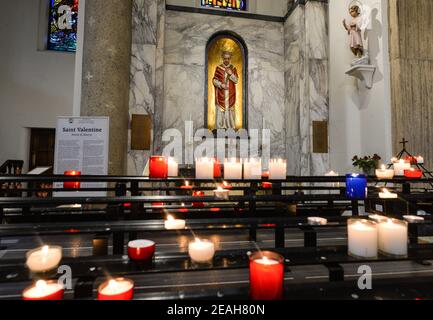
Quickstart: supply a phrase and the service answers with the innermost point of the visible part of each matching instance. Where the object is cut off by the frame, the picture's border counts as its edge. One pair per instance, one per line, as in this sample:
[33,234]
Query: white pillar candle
[174,224]
[332,173]
[393,237]
[385,194]
[277,169]
[362,236]
[201,250]
[232,169]
[221,193]
[400,166]
[204,168]
[317,221]
[44,258]
[173,167]
[419,160]
[377,217]
[413,219]
[384,173]
[253,169]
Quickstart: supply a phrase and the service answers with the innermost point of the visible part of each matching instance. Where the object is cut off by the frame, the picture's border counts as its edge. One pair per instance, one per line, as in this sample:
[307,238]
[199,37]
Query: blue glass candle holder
[356,186]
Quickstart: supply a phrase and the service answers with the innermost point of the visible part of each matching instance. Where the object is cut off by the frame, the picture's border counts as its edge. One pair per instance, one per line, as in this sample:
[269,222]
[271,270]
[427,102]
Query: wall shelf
[365,73]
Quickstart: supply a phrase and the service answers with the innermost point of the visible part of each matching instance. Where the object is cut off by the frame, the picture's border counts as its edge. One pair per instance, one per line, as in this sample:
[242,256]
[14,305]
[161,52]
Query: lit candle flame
[112,285]
[41,284]
[170,218]
[45,250]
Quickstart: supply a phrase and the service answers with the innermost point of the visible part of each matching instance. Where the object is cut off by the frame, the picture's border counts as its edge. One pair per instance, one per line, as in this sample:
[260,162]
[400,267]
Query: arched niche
[216,99]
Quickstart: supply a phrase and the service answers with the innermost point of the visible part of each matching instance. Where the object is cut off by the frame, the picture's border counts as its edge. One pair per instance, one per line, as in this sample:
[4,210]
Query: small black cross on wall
[404,142]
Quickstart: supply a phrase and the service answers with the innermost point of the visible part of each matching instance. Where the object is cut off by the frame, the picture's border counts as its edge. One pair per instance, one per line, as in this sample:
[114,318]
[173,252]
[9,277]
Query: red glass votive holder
[141,250]
[413,161]
[266,276]
[217,169]
[116,289]
[198,194]
[183,209]
[72,184]
[187,186]
[413,173]
[226,186]
[44,290]
[158,204]
[266,185]
[158,168]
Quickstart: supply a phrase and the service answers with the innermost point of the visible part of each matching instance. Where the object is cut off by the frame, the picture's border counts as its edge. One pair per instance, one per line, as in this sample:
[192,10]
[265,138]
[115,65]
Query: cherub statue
[354,28]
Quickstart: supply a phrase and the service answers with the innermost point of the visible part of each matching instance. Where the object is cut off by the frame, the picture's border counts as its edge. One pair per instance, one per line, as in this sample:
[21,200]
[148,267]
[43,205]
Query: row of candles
[365,239]
[266,271]
[210,168]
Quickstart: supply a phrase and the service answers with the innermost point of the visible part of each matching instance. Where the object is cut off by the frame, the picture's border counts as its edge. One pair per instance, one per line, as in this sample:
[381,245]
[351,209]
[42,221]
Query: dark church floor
[389,278]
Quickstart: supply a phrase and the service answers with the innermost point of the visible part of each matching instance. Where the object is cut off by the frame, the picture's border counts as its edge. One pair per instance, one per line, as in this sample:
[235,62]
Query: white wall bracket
[365,73]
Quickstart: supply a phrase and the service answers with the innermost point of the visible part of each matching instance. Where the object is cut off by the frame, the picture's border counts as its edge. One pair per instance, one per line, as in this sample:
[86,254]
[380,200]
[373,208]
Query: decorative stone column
[106,70]
[306,79]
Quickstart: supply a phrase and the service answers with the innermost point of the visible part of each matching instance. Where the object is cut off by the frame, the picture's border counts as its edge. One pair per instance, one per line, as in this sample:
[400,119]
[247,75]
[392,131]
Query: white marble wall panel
[287,76]
[146,75]
[306,82]
[144,21]
[186,37]
[316,27]
[188,33]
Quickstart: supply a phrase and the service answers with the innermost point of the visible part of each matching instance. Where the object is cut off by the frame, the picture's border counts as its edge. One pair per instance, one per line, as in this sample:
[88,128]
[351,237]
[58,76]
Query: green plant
[367,163]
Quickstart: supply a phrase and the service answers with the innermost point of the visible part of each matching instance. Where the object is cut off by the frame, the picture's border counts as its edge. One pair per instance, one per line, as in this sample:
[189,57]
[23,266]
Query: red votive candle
[413,173]
[266,276]
[158,167]
[141,250]
[73,184]
[198,194]
[183,209]
[216,169]
[412,160]
[266,185]
[158,204]
[226,186]
[44,290]
[186,186]
[116,289]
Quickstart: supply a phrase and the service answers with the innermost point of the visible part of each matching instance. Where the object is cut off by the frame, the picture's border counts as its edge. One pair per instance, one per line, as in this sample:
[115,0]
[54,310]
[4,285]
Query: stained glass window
[62,31]
[226,4]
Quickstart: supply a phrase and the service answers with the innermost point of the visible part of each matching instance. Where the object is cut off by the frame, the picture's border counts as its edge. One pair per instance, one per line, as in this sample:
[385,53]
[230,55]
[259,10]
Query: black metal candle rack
[126,212]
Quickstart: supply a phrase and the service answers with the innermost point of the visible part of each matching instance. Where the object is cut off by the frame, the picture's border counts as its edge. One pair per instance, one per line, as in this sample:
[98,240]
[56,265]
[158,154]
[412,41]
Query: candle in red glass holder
[266,276]
[44,290]
[141,250]
[183,209]
[265,174]
[412,160]
[72,184]
[216,169]
[198,194]
[158,167]
[413,173]
[226,186]
[266,185]
[158,204]
[187,186]
[116,289]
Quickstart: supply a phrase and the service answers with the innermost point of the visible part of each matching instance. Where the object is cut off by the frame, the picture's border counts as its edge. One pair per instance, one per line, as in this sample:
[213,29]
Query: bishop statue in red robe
[225,80]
